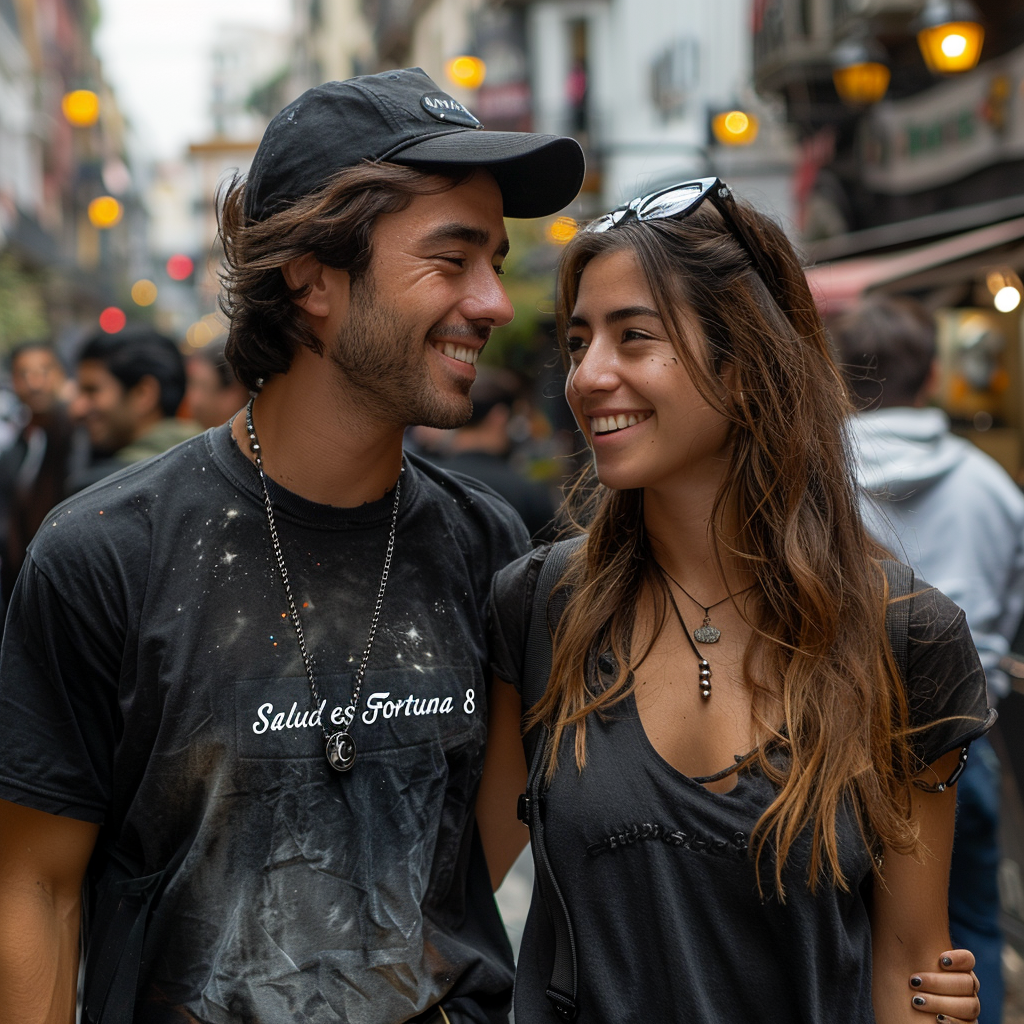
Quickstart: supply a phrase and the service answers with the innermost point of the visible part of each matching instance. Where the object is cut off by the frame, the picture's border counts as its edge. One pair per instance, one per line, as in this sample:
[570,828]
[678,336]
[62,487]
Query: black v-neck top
[657,872]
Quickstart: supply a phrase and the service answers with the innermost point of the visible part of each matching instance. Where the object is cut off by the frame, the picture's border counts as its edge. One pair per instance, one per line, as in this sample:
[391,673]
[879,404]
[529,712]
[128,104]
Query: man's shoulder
[461,494]
[131,498]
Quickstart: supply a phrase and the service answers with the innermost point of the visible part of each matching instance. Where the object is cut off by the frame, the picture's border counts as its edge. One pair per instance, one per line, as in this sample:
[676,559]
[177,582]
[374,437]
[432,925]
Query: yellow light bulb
[735,128]
[81,107]
[954,45]
[1007,299]
[105,212]
[736,122]
[562,230]
[466,72]
[144,292]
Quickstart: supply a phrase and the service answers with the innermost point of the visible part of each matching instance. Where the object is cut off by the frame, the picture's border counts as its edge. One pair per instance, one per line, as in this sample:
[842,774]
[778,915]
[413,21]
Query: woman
[748,812]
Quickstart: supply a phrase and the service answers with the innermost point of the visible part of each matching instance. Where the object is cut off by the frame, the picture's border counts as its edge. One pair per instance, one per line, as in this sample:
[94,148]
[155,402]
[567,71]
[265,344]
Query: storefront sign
[947,132]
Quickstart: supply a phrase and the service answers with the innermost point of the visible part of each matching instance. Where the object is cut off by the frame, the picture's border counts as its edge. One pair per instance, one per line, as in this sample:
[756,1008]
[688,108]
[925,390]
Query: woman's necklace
[705,633]
[340,748]
[703,668]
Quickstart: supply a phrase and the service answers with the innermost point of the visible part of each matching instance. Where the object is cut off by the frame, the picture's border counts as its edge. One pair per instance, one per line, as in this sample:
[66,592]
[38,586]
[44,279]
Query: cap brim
[538,174]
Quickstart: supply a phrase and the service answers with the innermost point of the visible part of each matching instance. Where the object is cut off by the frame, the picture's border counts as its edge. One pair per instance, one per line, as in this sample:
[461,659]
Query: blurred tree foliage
[22,310]
[529,279]
[268,97]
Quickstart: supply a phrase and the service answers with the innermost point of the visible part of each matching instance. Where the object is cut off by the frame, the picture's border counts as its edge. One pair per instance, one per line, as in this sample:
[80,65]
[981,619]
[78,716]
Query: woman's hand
[950,994]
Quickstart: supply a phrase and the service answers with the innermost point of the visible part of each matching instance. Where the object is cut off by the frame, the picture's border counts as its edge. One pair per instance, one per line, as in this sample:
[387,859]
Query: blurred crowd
[66,424]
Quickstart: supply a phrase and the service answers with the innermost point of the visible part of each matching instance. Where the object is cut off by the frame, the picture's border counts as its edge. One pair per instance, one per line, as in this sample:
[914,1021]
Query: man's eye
[459,261]
[499,270]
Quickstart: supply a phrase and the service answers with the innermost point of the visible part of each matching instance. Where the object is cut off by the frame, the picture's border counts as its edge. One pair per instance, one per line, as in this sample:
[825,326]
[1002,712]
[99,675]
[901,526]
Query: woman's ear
[308,277]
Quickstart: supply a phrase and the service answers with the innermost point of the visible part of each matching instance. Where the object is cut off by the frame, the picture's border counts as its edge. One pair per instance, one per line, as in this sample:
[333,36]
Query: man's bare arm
[43,858]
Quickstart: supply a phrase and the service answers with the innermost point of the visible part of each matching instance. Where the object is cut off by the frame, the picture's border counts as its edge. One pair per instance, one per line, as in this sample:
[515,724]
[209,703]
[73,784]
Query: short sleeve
[511,605]
[946,690]
[58,702]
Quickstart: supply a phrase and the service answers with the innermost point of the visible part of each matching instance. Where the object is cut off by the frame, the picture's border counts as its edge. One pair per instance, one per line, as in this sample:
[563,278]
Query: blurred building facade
[918,193]
[59,266]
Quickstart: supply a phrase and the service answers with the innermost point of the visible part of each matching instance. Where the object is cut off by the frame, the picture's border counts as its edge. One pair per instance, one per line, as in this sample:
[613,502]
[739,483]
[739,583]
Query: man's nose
[488,302]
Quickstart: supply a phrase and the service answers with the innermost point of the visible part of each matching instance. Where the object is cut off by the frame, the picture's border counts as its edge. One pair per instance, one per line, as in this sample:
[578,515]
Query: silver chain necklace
[340,748]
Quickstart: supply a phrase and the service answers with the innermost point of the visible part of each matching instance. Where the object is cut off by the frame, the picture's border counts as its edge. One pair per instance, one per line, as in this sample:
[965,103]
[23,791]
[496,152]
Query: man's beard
[383,363]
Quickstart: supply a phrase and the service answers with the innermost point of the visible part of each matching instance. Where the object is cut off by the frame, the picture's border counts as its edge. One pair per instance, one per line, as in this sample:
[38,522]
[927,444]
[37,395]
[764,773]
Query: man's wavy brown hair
[335,225]
[819,632]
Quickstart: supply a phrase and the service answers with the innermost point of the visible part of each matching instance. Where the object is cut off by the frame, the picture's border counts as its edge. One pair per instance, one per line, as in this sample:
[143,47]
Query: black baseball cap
[404,118]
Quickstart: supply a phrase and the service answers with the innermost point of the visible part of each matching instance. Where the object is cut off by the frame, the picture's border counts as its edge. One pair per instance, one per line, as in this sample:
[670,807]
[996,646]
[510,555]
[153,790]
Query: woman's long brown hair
[819,636]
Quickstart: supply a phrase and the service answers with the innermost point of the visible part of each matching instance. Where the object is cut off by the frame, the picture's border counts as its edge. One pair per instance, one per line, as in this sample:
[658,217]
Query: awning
[841,283]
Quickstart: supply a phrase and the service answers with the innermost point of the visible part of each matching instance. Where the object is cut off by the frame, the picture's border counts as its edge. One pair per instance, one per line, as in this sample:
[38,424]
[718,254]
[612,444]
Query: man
[958,518]
[267,694]
[214,394]
[130,385]
[482,447]
[34,471]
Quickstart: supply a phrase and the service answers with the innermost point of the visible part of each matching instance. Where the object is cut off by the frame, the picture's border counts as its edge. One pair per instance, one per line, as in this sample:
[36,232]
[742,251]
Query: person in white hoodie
[956,516]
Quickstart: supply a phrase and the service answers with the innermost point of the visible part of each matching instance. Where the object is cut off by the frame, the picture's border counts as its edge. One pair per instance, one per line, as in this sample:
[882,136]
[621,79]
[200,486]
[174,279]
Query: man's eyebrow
[464,233]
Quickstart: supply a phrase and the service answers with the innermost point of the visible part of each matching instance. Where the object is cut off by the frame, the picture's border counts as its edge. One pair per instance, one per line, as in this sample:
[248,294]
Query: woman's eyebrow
[627,313]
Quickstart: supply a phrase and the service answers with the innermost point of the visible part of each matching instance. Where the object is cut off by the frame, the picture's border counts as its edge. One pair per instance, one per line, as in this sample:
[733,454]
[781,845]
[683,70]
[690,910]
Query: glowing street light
[1007,299]
[735,128]
[466,71]
[950,34]
[562,230]
[1006,289]
[105,212]
[112,320]
[179,267]
[144,292]
[859,71]
[81,107]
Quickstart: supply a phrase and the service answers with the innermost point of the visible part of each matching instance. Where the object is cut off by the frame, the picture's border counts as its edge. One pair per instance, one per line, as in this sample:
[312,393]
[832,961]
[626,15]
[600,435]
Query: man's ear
[308,276]
[144,397]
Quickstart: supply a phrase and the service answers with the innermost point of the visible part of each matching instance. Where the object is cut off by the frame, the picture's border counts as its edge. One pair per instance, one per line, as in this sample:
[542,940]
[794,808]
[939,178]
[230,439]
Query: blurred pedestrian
[49,448]
[130,385]
[213,394]
[957,517]
[483,449]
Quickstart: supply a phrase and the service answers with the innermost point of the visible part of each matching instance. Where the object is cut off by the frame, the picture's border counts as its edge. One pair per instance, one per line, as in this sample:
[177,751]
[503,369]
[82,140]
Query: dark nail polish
[916,981]
[918,1000]
[947,961]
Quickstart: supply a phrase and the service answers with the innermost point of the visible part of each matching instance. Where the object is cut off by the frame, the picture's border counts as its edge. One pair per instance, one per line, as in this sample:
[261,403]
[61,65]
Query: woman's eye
[634,334]
[574,344]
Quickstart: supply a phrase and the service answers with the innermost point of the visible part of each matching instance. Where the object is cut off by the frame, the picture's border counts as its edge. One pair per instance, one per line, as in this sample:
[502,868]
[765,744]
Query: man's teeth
[464,355]
[608,424]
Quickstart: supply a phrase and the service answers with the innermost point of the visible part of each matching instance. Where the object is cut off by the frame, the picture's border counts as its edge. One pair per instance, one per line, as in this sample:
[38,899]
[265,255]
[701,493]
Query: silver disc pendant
[341,751]
[706,634]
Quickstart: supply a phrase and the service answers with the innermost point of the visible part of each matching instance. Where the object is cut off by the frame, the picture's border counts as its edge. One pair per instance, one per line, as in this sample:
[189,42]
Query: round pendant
[341,751]
[706,634]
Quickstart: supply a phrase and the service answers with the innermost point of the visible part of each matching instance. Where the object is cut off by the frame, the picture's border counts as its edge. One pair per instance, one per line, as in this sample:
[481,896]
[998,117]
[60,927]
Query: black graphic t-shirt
[151,680]
[658,876]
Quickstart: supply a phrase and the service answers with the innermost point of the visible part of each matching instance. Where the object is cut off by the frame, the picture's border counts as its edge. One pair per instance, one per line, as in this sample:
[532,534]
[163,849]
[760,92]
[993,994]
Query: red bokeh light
[112,320]
[179,267]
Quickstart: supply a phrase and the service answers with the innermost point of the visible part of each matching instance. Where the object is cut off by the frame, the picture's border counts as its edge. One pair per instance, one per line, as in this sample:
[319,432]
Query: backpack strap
[536,673]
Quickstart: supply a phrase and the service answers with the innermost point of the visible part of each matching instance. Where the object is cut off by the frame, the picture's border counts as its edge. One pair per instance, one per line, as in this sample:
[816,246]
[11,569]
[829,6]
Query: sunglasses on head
[679,201]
